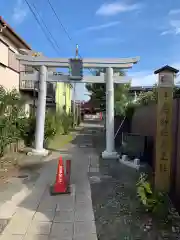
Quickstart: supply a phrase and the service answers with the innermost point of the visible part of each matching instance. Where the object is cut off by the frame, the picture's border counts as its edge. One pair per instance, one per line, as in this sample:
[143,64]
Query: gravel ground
[117,210]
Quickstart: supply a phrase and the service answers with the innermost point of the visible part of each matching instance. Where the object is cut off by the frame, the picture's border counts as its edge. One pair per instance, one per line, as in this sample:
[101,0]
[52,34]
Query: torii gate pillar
[40,114]
[109,152]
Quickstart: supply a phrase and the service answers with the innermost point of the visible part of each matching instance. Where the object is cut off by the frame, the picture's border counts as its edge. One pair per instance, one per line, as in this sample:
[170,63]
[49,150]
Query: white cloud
[174,11]
[175,24]
[102,26]
[148,78]
[19,12]
[143,78]
[109,9]
[106,40]
[174,28]
[166,32]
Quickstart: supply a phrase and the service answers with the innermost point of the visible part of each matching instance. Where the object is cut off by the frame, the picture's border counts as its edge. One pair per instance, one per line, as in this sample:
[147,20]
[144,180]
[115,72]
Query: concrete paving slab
[83,197]
[17,226]
[66,203]
[11,237]
[64,216]
[37,227]
[57,238]
[45,216]
[84,228]
[24,213]
[62,230]
[36,237]
[83,206]
[86,237]
[46,206]
[84,215]
[7,210]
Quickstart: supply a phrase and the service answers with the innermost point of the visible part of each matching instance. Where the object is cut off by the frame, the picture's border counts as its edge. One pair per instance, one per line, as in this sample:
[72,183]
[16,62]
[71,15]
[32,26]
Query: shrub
[67,121]
[50,128]
[153,201]
[27,126]
[11,109]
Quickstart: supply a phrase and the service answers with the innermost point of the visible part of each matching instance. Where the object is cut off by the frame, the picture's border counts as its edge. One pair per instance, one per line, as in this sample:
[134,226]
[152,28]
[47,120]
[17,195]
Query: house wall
[68,98]
[63,97]
[10,66]
[9,79]
[60,99]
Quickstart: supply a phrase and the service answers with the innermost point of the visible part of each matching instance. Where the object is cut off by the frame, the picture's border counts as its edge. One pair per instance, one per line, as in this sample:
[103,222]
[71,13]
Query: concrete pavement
[34,215]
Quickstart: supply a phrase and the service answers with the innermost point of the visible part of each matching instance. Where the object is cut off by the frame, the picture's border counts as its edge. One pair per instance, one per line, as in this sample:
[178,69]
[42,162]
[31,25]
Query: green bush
[11,110]
[153,201]
[27,126]
[14,125]
[50,128]
[66,121]
[55,123]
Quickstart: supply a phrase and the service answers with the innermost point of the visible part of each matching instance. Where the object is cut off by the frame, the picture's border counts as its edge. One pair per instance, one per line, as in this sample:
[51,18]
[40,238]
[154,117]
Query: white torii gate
[44,63]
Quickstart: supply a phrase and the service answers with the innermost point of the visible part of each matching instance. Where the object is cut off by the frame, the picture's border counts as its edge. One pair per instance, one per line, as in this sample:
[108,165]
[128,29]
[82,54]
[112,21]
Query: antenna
[77,51]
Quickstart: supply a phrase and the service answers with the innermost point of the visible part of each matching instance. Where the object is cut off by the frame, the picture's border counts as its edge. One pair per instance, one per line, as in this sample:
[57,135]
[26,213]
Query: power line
[63,27]
[54,45]
[55,42]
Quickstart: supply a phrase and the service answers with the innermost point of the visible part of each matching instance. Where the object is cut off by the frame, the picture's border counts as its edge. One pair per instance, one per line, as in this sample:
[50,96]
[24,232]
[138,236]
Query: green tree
[98,92]
[11,111]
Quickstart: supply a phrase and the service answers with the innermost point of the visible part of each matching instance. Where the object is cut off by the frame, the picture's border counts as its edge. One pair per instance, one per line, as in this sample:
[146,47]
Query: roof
[140,88]
[4,23]
[167,68]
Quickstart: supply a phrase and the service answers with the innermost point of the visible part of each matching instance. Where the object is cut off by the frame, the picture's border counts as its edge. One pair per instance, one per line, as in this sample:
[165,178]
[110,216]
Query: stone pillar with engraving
[163,148]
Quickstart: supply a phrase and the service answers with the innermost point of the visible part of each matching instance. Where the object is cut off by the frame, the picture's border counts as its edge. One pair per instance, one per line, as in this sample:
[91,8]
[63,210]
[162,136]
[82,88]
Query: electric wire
[36,15]
[64,28]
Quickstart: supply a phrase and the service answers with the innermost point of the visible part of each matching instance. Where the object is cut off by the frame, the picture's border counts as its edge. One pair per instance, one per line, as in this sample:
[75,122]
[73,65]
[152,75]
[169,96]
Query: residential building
[13,75]
[10,43]
[134,91]
[11,72]
[63,97]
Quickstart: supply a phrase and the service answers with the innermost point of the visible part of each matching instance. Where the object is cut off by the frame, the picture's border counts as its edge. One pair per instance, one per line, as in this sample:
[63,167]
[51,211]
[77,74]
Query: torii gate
[43,63]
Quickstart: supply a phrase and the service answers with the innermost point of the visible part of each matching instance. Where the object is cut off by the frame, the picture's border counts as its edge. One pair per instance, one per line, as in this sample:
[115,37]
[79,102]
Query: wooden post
[164,128]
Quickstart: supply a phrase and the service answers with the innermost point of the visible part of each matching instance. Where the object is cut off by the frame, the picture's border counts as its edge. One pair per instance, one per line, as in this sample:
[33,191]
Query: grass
[60,141]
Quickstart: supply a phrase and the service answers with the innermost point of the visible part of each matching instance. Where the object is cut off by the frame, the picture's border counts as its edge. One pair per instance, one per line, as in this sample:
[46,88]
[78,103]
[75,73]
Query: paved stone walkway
[32,214]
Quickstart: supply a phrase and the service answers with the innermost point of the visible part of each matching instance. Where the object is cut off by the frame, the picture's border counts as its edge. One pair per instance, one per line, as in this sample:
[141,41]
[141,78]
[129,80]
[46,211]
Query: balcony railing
[26,82]
[28,85]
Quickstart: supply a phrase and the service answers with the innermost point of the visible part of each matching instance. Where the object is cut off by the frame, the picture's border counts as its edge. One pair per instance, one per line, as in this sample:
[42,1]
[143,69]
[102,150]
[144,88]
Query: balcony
[28,85]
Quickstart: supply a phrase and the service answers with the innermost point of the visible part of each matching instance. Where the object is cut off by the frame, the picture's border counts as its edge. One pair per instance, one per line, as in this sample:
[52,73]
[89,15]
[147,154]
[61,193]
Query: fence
[144,124]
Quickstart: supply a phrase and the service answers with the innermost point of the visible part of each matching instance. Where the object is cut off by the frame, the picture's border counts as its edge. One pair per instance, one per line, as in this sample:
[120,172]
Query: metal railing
[28,85]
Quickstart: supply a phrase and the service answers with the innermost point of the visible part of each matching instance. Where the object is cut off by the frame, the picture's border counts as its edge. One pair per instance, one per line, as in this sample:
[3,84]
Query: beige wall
[4,54]
[9,78]
[9,66]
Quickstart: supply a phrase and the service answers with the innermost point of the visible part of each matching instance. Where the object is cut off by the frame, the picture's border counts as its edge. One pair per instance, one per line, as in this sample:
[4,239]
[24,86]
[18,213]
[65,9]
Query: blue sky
[124,28]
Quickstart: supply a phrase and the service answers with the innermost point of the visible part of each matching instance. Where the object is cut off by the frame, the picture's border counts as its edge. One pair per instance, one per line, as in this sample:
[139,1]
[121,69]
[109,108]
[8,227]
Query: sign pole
[164,128]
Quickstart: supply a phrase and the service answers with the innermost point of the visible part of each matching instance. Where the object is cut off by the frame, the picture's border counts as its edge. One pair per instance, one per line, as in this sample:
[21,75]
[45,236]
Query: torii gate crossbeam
[43,63]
